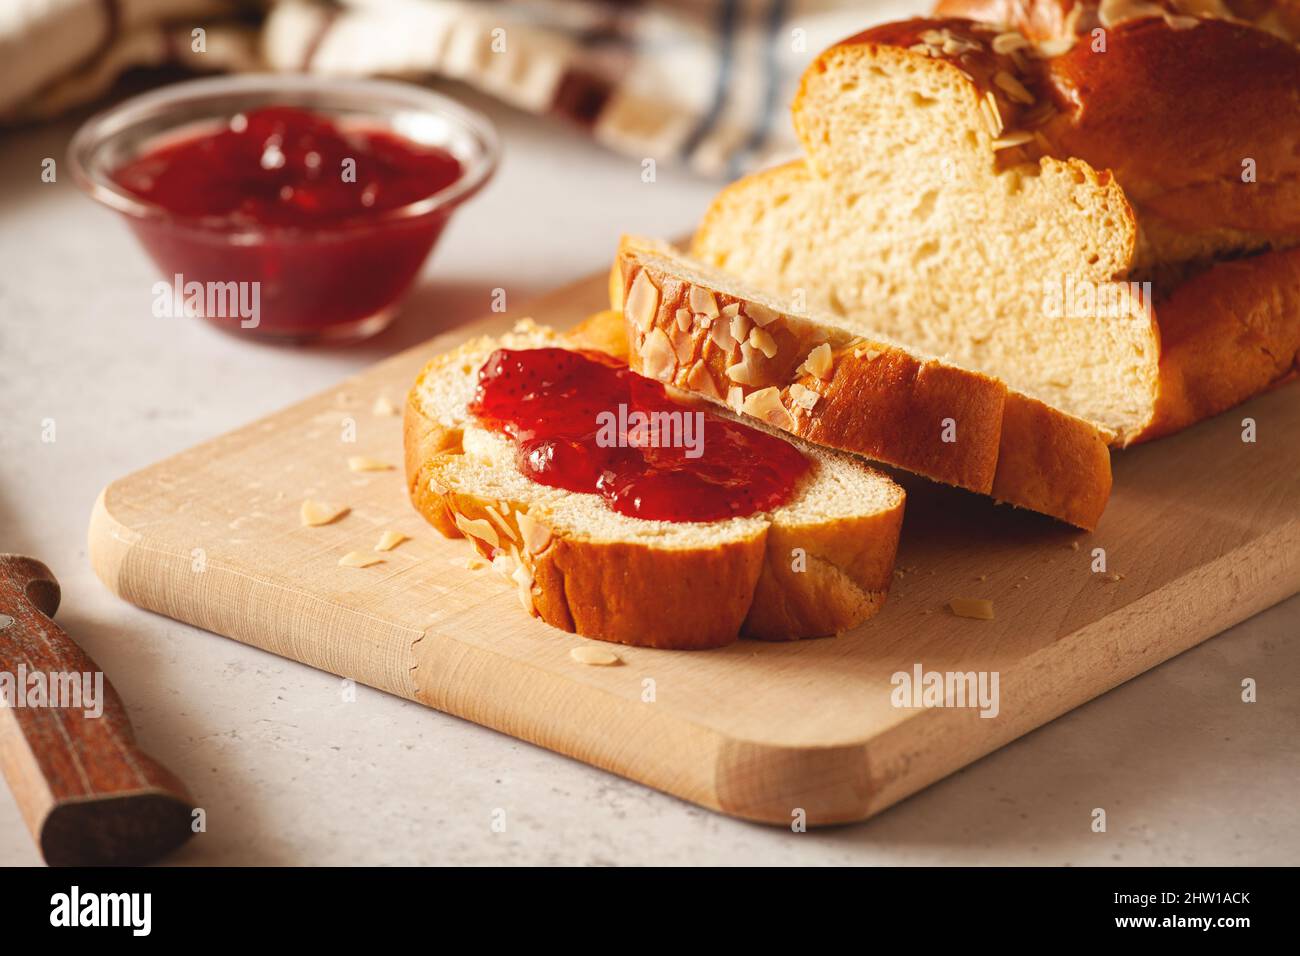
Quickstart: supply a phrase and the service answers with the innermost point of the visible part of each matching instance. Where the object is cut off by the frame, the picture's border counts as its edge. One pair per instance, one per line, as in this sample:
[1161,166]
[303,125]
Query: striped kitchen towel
[703,82]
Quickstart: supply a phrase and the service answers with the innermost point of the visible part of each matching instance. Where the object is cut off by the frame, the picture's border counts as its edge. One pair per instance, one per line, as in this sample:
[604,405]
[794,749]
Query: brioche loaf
[1000,202]
[817,565]
[700,330]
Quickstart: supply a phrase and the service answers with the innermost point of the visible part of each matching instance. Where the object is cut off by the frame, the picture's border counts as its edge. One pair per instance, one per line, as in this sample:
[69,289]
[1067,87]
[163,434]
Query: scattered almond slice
[390,539]
[358,559]
[977,608]
[594,656]
[383,406]
[316,513]
[472,563]
[818,362]
[362,463]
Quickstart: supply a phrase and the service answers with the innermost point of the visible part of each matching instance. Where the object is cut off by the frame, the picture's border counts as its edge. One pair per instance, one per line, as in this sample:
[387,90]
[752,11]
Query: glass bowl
[338,281]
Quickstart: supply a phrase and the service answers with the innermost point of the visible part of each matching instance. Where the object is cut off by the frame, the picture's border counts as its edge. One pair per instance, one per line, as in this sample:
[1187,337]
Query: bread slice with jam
[817,564]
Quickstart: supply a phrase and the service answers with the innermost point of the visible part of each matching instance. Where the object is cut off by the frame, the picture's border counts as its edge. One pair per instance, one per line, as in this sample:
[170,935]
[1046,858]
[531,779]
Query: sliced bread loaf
[817,565]
[834,384]
[942,202]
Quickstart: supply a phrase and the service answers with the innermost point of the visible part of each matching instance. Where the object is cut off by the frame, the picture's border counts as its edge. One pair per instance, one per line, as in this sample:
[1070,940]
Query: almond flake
[762,340]
[804,397]
[818,363]
[765,405]
[684,319]
[594,656]
[657,356]
[1012,87]
[535,534]
[744,372]
[642,303]
[390,539]
[977,608]
[731,309]
[472,563]
[740,327]
[720,333]
[702,300]
[700,380]
[761,314]
[362,463]
[1005,43]
[316,513]
[479,528]
[1007,141]
[735,397]
[358,559]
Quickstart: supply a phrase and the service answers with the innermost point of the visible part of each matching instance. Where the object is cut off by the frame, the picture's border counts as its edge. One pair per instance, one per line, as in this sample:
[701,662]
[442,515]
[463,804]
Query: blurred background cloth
[706,83]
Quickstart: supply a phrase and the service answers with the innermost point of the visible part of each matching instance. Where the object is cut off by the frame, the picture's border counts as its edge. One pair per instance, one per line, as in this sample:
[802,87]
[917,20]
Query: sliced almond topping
[594,656]
[362,463]
[535,534]
[383,406]
[761,314]
[389,540]
[1005,43]
[765,405]
[358,559]
[657,357]
[702,300]
[735,397]
[1008,140]
[700,380]
[762,340]
[1058,46]
[818,363]
[642,302]
[803,397]
[740,327]
[745,371]
[497,517]
[702,320]
[503,565]
[992,113]
[1177,22]
[479,528]
[1012,87]
[720,332]
[683,346]
[731,309]
[684,319]
[977,608]
[316,513]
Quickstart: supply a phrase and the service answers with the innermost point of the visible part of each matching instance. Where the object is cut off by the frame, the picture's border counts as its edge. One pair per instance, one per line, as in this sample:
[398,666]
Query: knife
[89,795]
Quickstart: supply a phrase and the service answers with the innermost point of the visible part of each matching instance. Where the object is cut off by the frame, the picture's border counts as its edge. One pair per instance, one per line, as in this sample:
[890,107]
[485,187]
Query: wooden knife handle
[89,794]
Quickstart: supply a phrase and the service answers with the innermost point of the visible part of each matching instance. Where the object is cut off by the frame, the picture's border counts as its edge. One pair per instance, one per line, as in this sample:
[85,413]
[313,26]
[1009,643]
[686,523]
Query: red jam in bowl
[573,418]
[288,199]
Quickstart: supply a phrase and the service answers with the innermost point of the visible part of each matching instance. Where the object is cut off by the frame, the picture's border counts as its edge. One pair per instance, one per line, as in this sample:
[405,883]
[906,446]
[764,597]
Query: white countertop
[1188,773]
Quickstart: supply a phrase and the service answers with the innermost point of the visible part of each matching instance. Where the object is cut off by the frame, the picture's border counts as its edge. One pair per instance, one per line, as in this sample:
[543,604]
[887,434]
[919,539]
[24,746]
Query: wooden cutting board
[1203,531]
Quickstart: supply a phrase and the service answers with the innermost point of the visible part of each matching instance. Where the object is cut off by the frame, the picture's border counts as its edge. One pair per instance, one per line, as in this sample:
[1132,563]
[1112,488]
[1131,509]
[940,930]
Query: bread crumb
[977,608]
[1074,545]
[594,656]
[1112,578]
[472,563]
[389,540]
[358,559]
[316,513]
[362,463]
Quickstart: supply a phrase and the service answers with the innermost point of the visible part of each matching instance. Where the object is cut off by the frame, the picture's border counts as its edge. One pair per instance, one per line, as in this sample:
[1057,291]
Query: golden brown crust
[875,399]
[630,593]
[1227,335]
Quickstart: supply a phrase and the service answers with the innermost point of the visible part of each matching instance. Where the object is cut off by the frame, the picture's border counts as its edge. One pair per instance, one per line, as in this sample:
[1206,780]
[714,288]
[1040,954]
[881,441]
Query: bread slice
[903,222]
[943,202]
[834,385]
[817,565]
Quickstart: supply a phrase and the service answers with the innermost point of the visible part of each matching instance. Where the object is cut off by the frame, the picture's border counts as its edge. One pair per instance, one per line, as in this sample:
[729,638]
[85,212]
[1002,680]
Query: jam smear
[282,166]
[571,418]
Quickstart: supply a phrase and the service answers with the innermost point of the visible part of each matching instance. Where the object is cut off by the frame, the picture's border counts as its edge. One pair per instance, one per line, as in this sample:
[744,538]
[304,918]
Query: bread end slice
[817,565]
